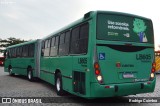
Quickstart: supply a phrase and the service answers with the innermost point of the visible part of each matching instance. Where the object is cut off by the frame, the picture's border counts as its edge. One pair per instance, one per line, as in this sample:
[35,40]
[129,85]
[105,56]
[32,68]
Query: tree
[8,42]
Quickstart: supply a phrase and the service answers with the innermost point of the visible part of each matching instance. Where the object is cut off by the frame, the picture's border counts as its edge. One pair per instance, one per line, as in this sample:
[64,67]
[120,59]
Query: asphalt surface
[19,86]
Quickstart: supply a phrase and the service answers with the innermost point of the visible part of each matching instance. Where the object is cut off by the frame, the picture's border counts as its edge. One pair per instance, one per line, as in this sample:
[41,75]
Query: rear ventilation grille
[79,82]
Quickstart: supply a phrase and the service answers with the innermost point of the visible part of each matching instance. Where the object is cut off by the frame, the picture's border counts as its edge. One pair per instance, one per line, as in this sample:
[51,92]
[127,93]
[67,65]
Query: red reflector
[148,82]
[107,86]
[153,70]
[97,72]
[118,65]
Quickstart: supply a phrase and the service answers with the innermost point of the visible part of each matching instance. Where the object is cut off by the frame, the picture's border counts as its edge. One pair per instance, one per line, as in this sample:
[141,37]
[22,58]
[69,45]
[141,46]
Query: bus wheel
[29,74]
[58,84]
[10,71]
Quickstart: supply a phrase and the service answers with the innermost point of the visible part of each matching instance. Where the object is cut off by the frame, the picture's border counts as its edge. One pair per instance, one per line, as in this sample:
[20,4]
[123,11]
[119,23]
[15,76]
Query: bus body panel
[124,67]
[62,64]
[124,58]
[124,89]
[20,64]
[135,66]
[44,67]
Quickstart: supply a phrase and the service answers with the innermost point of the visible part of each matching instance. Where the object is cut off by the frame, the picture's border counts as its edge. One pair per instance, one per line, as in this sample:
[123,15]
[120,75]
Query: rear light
[99,78]
[148,82]
[153,65]
[96,65]
[153,70]
[152,75]
[107,86]
[98,73]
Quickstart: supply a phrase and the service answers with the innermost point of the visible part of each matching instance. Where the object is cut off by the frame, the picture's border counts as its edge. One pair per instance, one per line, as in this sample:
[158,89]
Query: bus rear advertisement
[103,54]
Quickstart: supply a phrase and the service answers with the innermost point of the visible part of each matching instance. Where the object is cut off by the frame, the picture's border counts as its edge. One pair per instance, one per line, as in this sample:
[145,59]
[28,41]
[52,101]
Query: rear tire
[58,84]
[10,71]
[30,74]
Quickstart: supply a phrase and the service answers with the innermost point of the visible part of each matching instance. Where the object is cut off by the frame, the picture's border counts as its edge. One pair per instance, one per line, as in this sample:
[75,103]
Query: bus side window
[19,52]
[31,50]
[57,45]
[42,49]
[67,40]
[14,52]
[25,51]
[10,52]
[47,47]
[84,32]
[54,49]
[61,44]
[79,40]
[74,41]
[8,55]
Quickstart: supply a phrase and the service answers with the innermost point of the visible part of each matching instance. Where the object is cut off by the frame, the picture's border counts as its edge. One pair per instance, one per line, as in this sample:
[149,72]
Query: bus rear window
[124,28]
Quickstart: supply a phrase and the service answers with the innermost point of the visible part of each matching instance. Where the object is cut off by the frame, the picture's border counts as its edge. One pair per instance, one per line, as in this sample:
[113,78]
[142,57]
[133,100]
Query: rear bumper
[124,89]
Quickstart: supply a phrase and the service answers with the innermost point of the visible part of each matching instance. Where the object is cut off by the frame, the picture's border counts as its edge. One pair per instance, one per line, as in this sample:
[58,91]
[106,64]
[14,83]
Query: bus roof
[121,13]
[88,16]
[65,28]
[21,44]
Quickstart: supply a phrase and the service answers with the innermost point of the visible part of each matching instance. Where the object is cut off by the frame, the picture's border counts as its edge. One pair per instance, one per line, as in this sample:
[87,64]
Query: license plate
[128,75]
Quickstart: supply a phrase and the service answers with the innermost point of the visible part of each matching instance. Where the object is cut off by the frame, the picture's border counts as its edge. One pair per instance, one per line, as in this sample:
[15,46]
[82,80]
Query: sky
[35,19]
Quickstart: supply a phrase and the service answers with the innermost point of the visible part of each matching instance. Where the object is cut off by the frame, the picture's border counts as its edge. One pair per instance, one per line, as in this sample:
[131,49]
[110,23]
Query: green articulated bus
[103,54]
[23,59]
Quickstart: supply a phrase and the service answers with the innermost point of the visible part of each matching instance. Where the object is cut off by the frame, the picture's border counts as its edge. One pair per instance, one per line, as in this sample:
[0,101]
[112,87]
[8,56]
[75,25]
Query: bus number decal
[82,61]
[143,57]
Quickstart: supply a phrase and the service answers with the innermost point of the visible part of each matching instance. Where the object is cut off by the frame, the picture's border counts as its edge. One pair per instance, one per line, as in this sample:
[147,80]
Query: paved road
[19,86]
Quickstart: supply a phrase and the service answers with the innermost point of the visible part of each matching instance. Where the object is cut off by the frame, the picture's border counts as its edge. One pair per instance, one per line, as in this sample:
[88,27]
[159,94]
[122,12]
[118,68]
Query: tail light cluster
[98,72]
[153,70]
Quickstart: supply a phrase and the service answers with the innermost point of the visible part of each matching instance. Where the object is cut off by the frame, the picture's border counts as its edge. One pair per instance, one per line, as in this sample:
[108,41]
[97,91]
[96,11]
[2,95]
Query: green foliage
[8,42]
[139,26]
